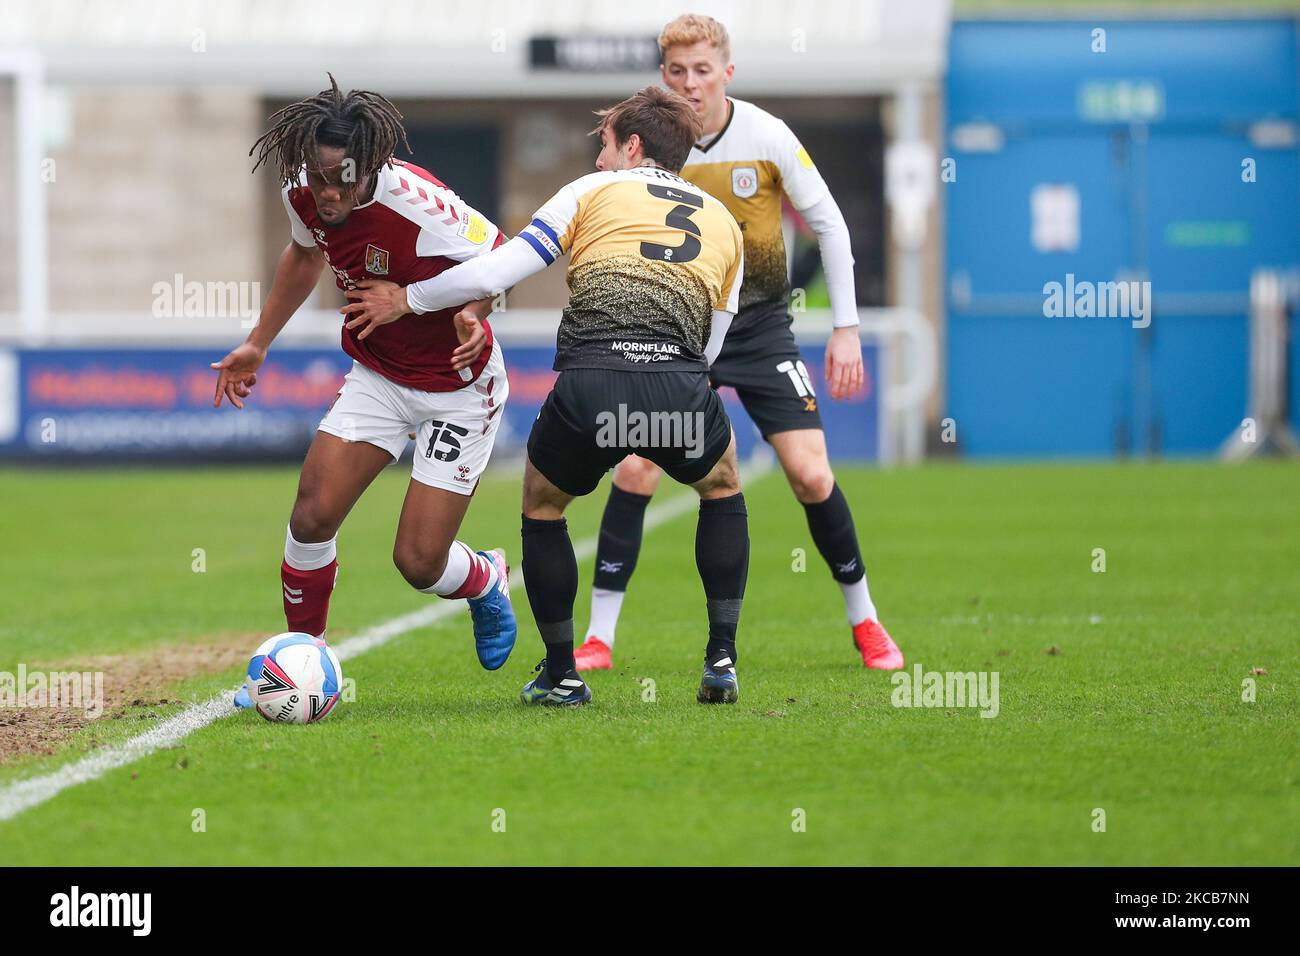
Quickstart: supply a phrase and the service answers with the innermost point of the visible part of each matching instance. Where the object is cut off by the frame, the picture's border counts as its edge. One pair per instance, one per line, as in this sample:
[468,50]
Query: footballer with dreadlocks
[370,217]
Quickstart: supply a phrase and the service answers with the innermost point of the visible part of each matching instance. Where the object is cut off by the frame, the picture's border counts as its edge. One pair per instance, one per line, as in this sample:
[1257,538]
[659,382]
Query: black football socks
[722,557]
[620,539]
[551,579]
[831,524]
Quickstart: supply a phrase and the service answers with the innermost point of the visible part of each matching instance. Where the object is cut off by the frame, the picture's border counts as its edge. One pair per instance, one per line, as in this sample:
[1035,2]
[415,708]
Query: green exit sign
[1121,101]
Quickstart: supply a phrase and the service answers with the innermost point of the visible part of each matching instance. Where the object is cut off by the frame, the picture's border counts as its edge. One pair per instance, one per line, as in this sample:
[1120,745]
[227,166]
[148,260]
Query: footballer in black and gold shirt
[655,274]
[752,162]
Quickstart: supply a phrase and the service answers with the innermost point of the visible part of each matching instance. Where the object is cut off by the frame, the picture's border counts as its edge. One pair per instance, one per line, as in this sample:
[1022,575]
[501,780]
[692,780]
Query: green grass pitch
[1120,691]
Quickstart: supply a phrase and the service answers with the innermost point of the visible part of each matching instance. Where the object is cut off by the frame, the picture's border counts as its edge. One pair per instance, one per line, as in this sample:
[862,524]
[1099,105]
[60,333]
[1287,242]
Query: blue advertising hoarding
[156,404]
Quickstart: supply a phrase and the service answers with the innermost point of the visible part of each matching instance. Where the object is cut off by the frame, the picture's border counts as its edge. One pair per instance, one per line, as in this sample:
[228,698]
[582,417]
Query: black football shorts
[595,417]
[761,361]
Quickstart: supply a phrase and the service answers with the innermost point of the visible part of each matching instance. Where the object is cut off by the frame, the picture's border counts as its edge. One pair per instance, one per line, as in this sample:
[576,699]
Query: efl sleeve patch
[804,159]
[473,228]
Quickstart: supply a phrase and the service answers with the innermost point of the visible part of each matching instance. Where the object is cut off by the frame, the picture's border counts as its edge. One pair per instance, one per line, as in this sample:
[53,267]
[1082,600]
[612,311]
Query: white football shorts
[454,431]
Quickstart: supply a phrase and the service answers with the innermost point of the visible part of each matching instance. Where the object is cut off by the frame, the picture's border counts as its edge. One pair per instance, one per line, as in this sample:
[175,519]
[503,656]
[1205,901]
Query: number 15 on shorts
[444,441]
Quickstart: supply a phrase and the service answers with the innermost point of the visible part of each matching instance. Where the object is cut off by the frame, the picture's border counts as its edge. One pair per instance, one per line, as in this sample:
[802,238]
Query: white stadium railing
[1265,430]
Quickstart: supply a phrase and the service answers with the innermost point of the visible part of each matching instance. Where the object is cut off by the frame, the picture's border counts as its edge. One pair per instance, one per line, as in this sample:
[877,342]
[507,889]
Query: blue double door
[1192,207]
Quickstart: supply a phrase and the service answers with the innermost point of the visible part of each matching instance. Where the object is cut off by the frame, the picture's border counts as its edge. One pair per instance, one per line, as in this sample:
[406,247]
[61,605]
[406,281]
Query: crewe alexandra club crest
[744,181]
[376,260]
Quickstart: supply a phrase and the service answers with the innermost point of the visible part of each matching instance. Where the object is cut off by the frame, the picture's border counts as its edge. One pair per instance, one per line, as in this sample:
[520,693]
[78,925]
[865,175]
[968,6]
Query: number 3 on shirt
[679,217]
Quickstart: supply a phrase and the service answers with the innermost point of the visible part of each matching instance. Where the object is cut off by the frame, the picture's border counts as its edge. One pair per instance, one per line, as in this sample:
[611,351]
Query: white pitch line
[22,795]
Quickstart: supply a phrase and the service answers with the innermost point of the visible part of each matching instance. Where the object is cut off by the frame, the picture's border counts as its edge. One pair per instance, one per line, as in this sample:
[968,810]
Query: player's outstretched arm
[295,276]
[482,276]
[536,247]
[376,303]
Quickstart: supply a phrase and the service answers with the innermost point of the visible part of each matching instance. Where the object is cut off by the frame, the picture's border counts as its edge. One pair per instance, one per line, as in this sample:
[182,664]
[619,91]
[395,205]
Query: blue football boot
[719,684]
[571,691]
[495,629]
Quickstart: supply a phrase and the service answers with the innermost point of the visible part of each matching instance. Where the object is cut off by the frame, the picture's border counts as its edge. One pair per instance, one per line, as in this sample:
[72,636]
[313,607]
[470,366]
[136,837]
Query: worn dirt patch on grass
[131,682]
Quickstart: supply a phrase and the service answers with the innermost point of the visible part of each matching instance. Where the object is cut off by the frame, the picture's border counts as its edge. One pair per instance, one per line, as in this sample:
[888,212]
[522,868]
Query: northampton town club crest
[376,260]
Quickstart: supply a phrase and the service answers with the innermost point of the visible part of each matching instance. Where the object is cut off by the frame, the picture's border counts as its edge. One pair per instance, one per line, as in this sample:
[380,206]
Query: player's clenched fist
[237,374]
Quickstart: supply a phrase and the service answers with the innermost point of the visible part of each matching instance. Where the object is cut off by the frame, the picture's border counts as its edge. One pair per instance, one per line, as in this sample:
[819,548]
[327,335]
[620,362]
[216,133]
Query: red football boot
[595,655]
[879,652]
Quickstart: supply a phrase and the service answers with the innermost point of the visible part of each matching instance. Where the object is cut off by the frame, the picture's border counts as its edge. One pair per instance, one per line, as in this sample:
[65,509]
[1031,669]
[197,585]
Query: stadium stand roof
[467,48]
